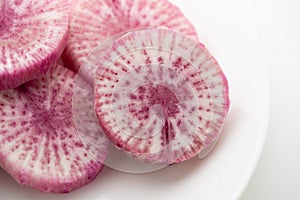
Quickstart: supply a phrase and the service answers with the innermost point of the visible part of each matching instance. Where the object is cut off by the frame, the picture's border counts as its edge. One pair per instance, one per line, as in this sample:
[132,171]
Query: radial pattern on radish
[160,96]
[32,37]
[40,146]
[92,21]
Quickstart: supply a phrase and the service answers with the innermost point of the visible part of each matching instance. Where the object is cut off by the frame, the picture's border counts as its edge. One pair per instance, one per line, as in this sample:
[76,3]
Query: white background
[278,172]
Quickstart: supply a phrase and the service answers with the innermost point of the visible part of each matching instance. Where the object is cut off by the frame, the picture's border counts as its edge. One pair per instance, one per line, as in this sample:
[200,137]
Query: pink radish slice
[32,38]
[40,146]
[92,21]
[160,96]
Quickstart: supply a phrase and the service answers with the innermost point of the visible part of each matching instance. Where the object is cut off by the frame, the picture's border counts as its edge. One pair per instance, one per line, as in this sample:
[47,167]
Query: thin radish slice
[160,96]
[32,37]
[40,146]
[92,21]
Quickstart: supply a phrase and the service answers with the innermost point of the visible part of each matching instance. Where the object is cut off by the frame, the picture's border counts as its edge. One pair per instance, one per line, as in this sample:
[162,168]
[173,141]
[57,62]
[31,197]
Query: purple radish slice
[92,21]
[39,143]
[160,96]
[32,38]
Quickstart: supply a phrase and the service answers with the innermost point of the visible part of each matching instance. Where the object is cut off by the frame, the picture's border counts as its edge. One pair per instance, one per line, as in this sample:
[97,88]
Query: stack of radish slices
[77,77]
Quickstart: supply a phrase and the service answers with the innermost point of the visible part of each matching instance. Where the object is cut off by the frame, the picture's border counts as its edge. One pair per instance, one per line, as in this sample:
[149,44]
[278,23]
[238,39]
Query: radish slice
[32,38]
[40,146]
[92,21]
[160,96]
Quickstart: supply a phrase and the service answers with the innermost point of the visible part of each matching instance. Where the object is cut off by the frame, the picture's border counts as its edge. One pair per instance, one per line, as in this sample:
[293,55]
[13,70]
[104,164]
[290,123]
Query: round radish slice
[160,96]
[32,35]
[40,146]
[92,21]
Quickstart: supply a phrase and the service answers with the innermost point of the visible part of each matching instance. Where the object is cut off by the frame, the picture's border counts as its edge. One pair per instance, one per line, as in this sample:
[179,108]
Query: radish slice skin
[160,96]
[39,143]
[93,21]
[32,37]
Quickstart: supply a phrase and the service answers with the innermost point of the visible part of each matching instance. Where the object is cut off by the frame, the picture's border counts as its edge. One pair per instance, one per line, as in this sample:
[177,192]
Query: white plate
[227,29]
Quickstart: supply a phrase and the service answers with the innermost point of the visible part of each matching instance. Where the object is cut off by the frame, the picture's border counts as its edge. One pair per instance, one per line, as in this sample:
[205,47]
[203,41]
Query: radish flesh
[32,37]
[160,96]
[40,145]
[157,94]
[92,21]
